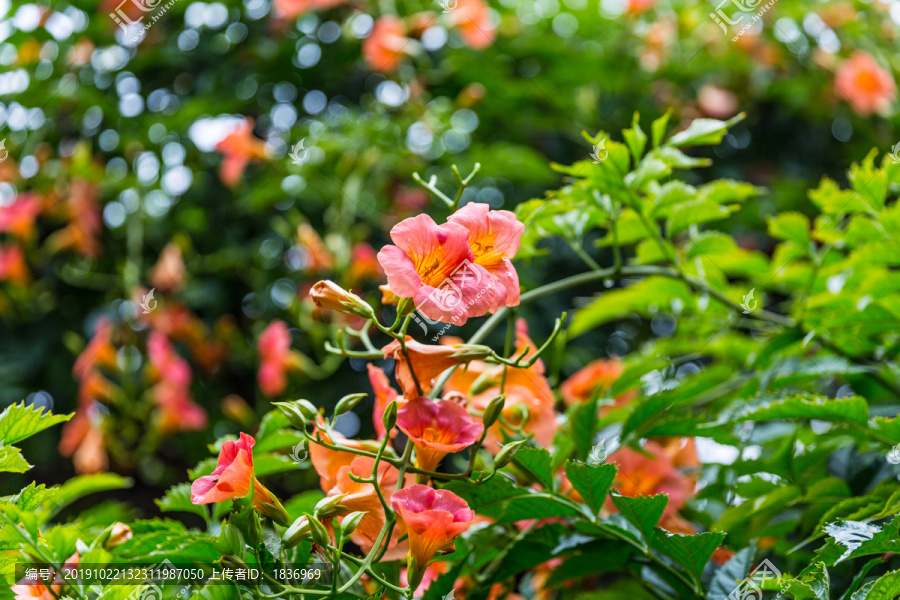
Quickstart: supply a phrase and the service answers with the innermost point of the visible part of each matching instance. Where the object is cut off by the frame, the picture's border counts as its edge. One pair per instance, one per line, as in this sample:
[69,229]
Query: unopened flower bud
[120,534]
[389,419]
[493,410]
[347,403]
[266,503]
[230,540]
[328,294]
[351,522]
[329,506]
[298,412]
[318,532]
[298,531]
[506,454]
[471,351]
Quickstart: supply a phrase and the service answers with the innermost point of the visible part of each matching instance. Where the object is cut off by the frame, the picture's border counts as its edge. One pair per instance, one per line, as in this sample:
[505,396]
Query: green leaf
[658,128]
[536,462]
[691,552]
[731,574]
[791,226]
[83,485]
[870,183]
[11,460]
[591,481]
[33,496]
[502,500]
[860,576]
[887,587]
[649,169]
[704,132]
[19,421]
[695,212]
[583,420]
[178,499]
[639,298]
[832,200]
[852,409]
[635,138]
[644,512]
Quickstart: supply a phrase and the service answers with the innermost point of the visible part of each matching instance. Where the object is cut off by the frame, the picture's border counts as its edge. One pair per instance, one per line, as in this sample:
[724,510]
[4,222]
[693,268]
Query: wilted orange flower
[12,265]
[17,218]
[472,19]
[238,148]
[318,257]
[383,49]
[433,519]
[862,82]
[362,497]
[426,361]
[436,429]
[168,272]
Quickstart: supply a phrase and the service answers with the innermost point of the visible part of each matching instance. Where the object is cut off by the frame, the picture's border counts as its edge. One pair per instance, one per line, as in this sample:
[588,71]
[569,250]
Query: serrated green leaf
[33,496]
[178,499]
[502,500]
[731,574]
[536,462]
[644,512]
[691,552]
[19,421]
[811,406]
[12,461]
[790,226]
[591,481]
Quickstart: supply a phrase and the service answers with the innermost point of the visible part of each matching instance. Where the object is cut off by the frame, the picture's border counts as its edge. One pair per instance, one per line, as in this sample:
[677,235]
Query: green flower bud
[298,412]
[318,532]
[493,410]
[506,454]
[298,531]
[351,522]
[390,416]
[347,403]
[230,540]
[329,506]
[471,351]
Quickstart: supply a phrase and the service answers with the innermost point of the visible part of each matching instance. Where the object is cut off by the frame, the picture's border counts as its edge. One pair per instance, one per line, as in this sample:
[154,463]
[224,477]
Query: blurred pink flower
[276,357]
[291,9]
[862,82]
[18,217]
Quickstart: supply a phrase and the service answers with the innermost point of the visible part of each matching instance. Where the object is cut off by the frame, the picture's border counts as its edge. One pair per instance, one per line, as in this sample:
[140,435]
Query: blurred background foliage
[115,180]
